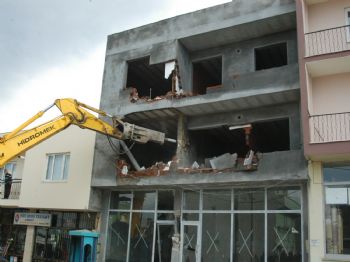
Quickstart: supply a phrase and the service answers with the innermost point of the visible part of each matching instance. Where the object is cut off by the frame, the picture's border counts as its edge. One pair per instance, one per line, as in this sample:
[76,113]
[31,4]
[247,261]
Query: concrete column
[183,144]
[103,227]
[316,243]
[175,251]
[29,243]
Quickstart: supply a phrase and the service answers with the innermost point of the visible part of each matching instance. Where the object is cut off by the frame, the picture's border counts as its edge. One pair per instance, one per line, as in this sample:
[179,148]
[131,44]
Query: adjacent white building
[53,177]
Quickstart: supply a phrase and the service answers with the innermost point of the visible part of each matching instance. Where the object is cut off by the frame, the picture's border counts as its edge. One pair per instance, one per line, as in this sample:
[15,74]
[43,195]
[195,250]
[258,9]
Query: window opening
[271,56]
[148,80]
[337,208]
[156,154]
[57,167]
[10,167]
[207,75]
[264,137]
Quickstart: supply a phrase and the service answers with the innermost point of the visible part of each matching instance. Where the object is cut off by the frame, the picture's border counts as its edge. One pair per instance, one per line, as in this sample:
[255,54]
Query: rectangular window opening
[269,136]
[156,153]
[271,56]
[337,208]
[207,75]
[149,80]
[57,167]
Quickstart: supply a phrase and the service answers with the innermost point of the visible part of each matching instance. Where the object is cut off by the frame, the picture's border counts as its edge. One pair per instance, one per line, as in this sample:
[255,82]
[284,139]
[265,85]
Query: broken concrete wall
[194,36]
[238,66]
[290,111]
[184,62]
[114,95]
[277,166]
[104,170]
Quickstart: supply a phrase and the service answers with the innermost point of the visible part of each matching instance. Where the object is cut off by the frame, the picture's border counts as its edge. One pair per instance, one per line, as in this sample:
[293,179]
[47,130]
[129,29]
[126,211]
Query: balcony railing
[15,189]
[327,41]
[330,128]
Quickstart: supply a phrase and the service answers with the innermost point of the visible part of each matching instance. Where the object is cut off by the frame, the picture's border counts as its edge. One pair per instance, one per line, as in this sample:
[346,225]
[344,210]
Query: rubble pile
[224,163]
[134,96]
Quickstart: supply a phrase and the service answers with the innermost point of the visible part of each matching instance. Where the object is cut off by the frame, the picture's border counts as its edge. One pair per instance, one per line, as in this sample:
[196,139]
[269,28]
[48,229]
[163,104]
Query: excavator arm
[73,112]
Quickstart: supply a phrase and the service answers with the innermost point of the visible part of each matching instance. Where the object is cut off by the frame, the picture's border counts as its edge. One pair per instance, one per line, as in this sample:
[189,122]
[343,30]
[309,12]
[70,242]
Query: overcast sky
[54,49]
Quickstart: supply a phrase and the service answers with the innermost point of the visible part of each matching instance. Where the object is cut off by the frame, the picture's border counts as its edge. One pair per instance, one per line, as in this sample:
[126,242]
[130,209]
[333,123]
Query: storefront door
[190,242]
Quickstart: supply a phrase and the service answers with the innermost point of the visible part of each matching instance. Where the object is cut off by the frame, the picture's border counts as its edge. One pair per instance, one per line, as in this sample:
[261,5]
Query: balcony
[330,128]
[15,189]
[328,41]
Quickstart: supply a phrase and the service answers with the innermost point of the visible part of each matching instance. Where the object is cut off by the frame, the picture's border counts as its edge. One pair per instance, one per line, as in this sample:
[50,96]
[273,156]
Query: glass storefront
[12,237]
[244,225]
[52,243]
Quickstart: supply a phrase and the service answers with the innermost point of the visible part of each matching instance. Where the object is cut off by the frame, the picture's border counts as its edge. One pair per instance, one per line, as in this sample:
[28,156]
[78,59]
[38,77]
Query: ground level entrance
[246,224]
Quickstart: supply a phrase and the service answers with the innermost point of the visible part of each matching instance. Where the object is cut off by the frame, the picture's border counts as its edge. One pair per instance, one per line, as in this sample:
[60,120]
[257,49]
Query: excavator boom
[73,112]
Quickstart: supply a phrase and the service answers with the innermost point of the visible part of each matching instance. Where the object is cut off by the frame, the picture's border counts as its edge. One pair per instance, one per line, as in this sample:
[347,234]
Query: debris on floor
[223,163]
[134,96]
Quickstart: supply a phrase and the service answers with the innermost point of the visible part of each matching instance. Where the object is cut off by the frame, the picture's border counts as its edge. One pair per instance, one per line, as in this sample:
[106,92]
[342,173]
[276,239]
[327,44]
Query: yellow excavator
[19,140]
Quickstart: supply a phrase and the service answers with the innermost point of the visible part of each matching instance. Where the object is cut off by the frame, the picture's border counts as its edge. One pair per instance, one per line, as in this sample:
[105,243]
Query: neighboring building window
[337,208]
[57,167]
[11,167]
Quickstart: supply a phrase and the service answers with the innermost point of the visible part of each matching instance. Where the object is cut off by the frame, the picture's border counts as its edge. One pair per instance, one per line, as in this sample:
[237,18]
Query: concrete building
[324,55]
[53,181]
[221,81]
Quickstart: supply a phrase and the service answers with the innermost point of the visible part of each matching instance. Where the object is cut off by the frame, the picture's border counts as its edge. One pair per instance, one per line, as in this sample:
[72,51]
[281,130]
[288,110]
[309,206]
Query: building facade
[223,82]
[324,63]
[51,182]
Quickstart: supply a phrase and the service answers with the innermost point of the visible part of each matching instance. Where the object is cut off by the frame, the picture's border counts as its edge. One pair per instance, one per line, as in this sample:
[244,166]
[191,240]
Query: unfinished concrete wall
[239,62]
[184,62]
[209,19]
[231,31]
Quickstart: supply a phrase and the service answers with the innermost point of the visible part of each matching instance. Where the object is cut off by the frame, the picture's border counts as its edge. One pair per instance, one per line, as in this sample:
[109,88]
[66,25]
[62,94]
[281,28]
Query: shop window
[191,200]
[284,237]
[215,225]
[249,235]
[284,198]
[163,243]
[131,228]
[57,167]
[270,56]
[149,80]
[166,199]
[337,208]
[250,199]
[141,237]
[121,200]
[118,234]
[12,236]
[207,75]
[216,237]
[144,200]
[217,199]
[52,243]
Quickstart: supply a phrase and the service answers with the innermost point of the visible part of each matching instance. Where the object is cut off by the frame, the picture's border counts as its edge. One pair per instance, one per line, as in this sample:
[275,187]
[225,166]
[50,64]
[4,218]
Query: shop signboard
[32,219]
